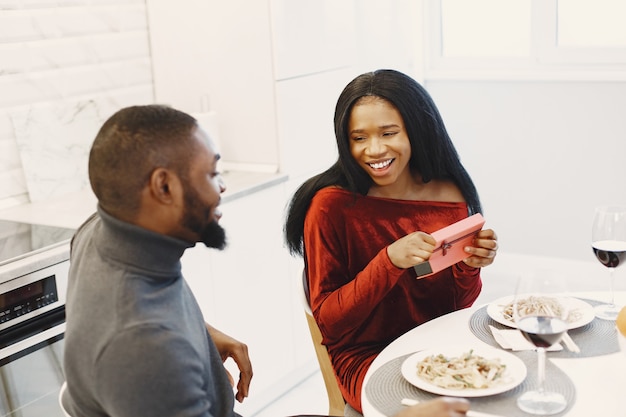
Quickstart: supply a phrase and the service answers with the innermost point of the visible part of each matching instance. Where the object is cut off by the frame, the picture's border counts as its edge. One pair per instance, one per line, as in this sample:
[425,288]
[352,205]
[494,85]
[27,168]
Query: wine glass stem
[611,285]
[541,368]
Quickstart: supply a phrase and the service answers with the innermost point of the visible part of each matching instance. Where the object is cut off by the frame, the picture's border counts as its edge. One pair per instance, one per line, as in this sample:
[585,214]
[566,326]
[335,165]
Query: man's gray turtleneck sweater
[136,342]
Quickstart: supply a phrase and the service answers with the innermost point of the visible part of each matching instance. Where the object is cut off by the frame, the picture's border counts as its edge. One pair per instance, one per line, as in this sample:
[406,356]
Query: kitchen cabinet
[310,37]
[305,126]
[217,55]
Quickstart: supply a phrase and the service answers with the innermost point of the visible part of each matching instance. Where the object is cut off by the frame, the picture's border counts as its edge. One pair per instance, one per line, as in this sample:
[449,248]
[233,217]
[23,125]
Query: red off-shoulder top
[360,300]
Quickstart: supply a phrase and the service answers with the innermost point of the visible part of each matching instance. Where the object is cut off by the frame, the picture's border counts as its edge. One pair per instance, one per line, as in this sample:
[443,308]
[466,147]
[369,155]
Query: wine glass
[540,311]
[608,240]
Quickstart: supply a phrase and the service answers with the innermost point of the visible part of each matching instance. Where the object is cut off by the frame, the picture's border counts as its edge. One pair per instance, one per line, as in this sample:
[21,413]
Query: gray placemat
[594,339]
[387,387]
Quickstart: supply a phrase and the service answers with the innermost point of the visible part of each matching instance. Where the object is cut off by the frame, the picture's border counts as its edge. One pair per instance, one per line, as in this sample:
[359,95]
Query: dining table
[592,380]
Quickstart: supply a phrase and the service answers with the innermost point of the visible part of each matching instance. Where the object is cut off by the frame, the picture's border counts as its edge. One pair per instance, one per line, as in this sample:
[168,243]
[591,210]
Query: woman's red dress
[360,300]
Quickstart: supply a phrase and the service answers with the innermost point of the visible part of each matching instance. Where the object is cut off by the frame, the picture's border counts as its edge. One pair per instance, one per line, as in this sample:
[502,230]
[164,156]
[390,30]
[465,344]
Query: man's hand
[231,348]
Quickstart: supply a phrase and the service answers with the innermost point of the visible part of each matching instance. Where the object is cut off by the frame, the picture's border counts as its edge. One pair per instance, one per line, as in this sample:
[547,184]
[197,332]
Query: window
[468,28]
[527,38]
[598,23]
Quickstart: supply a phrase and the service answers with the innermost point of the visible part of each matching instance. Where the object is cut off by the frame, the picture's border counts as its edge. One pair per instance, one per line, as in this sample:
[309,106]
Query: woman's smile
[380,165]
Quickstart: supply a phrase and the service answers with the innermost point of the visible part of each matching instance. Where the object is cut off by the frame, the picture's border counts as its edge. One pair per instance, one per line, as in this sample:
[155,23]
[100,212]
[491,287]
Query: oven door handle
[33,340]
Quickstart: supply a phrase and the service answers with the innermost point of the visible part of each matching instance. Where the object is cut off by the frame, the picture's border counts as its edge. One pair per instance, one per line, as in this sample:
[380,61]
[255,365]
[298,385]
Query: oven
[34,265]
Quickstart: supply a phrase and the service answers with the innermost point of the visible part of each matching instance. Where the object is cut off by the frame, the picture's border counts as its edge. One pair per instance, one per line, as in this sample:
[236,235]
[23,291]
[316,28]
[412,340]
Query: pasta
[534,305]
[464,372]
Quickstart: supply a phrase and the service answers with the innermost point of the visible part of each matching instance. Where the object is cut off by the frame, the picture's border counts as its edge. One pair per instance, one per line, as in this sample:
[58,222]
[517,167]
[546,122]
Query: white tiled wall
[59,55]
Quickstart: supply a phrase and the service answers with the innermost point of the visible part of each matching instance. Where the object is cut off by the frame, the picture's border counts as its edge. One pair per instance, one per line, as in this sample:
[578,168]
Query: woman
[363,223]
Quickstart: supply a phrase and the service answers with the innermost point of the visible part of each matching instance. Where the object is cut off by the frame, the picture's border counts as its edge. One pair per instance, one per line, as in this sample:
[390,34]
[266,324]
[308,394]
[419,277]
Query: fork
[569,343]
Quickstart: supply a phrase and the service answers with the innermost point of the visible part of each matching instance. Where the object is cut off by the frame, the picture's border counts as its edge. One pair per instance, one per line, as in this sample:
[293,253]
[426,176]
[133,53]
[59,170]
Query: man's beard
[212,234]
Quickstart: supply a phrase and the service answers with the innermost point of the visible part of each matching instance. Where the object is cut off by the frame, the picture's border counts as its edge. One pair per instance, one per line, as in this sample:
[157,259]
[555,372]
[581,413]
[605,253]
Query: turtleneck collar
[137,247]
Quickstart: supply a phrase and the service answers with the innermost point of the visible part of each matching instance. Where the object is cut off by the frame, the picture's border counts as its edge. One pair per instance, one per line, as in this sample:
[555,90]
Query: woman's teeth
[380,165]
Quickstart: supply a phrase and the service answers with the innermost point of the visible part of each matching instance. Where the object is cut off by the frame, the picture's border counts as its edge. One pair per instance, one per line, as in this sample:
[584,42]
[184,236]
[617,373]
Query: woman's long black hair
[432,153]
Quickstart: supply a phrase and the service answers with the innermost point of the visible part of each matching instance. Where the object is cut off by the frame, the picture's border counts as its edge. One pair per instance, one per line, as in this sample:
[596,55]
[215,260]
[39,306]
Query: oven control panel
[33,286]
[28,298]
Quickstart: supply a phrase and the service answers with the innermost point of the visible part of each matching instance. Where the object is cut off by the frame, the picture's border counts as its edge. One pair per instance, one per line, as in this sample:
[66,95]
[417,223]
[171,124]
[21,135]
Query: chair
[336,402]
[63,388]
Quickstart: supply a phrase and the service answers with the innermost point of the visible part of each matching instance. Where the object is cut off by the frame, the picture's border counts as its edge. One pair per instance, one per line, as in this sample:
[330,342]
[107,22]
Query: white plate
[494,310]
[514,374]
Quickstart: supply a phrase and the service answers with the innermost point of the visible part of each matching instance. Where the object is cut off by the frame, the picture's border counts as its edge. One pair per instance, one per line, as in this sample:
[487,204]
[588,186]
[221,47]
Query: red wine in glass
[540,312]
[610,253]
[542,331]
[608,241]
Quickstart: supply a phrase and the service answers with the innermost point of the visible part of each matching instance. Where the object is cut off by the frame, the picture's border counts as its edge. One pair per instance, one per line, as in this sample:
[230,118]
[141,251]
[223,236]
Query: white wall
[542,155]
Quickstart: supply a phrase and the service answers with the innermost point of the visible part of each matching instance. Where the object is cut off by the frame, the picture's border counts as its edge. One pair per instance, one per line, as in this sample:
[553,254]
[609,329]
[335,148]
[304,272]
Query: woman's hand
[439,407]
[411,249]
[484,250]
[231,348]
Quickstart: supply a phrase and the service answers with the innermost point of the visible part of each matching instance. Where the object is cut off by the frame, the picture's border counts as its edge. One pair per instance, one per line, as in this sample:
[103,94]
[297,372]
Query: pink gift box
[451,241]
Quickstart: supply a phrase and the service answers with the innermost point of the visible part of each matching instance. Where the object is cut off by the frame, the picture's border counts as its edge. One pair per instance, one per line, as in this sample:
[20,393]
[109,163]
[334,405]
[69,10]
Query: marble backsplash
[54,141]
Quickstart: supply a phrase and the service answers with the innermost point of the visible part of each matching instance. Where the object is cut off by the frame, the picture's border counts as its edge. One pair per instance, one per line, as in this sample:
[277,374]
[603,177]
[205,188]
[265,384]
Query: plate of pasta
[580,312]
[464,371]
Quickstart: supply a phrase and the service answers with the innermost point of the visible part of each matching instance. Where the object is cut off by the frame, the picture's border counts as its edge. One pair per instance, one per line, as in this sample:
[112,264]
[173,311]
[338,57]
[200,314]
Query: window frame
[547,60]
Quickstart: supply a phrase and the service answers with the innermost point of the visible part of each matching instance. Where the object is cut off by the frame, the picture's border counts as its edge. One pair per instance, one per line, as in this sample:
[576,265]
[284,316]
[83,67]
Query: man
[136,342]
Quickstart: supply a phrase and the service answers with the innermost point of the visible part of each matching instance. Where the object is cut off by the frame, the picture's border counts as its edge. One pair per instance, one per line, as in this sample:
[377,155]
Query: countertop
[71,210]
